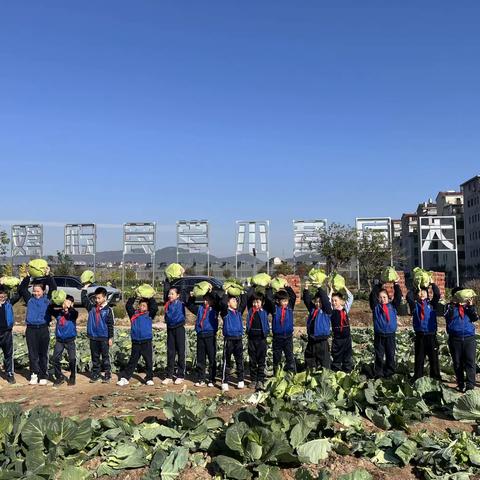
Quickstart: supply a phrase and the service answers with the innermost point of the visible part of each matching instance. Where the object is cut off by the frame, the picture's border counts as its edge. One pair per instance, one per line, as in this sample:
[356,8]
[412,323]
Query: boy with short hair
[206,326]
[459,317]
[6,336]
[258,329]
[231,310]
[65,335]
[176,337]
[424,318]
[141,333]
[342,339]
[100,331]
[280,306]
[384,314]
[317,352]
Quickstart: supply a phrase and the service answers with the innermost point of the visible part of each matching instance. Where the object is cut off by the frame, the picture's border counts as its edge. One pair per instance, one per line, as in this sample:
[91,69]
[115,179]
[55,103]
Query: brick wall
[438,278]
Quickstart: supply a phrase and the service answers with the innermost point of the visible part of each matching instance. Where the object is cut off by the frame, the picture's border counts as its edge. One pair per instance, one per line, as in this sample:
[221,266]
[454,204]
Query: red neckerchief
[315,313]
[461,310]
[205,311]
[167,305]
[422,310]
[386,312]
[343,320]
[63,319]
[136,315]
[254,311]
[97,313]
[282,318]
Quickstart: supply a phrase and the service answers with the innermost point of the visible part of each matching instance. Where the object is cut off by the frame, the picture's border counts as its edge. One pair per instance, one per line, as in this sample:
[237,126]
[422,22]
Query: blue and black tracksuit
[385,328]
[206,327]
[462,343]
[6,336]
[424,319]
[342,351]
[141,333]
[100,329]
[317,352]
[233,336]
[65,335]
[38,320]
[176,337]
[282,329]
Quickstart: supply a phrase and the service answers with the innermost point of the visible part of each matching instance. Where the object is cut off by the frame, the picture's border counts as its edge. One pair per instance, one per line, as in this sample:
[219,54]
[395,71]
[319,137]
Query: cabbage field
[302,427]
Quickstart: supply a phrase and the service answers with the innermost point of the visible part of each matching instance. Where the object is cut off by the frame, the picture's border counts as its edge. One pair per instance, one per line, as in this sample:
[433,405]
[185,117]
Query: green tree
[283,269]
[4,241]
[227,273]
[337,244]
[64,264]
[374,254]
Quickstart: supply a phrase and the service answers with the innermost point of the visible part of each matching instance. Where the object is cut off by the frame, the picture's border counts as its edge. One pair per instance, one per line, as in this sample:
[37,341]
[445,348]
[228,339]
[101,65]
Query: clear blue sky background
[119,111]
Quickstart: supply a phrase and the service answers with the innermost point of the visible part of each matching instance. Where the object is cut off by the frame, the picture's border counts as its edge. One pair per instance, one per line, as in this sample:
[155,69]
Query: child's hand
[110,342]
[47,271]
[307,285]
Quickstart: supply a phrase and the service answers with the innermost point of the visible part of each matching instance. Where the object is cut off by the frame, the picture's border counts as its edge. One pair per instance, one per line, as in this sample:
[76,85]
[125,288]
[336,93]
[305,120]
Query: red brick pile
[438,278]
[296,284]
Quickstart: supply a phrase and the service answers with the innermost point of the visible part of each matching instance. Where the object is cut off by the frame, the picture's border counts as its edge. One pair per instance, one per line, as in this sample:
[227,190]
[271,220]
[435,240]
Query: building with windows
[471,208]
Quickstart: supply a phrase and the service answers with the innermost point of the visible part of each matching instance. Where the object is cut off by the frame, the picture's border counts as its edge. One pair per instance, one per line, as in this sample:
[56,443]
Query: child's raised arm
[152,308]
[349,300]
[307,299]
[373,297]
[397,296]
[292,297]
[326,305]
[436,295]
[129,307]
[23,289]
[191,305]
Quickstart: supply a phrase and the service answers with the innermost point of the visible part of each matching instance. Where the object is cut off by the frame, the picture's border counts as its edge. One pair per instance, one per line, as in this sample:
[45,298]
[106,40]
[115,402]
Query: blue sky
[119,111]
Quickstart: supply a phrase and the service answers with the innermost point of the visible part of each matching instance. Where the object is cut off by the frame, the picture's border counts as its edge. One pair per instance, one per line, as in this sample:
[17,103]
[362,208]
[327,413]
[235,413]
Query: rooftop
[471,180]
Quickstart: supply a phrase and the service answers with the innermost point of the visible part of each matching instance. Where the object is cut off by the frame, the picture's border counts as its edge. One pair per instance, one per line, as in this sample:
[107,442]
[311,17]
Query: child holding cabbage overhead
[38,318]
[460,316]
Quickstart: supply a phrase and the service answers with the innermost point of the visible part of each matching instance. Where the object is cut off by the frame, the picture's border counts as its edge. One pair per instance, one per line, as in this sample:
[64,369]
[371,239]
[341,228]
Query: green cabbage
[58,297]
[337,282]
[278,284]
[422,278]
[37,267]
[233,288]
[201,288]
[261,280]
[389,275]
[145,291]
[464,295]
[87,277]
[317,276]
[174,271]
[9,282]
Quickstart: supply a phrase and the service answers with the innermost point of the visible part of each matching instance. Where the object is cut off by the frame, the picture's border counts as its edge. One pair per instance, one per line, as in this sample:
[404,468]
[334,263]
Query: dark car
[186,284]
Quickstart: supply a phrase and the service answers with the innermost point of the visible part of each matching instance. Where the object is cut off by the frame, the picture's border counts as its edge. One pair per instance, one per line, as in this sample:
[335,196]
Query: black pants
[176,348]
[100,351]
[317,354]
[58,350]
[257,358]
[283,345]
[232,346]
[342,353]
[38,341]
[206,348]
[462,350]
[140,349]
[426,345]
[384,355]
[6,344]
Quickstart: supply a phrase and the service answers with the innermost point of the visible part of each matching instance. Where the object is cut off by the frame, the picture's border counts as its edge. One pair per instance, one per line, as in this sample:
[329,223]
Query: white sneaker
[199,384]
[241,385]
[224,387]
[210,384]
[33,379]
[149,383]
[167,381]
[178,381]
[43,381]
[122,382]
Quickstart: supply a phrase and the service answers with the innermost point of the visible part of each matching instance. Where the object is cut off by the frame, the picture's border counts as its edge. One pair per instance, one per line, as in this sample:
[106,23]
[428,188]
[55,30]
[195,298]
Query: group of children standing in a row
[327,317]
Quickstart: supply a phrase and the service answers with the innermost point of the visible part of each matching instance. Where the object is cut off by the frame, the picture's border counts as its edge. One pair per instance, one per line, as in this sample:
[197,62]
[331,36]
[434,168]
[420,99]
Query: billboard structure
[306,234]
[81,239]
[139,238]
[368,225]
[252,238]
[27,240]
[439,234]
[193,237]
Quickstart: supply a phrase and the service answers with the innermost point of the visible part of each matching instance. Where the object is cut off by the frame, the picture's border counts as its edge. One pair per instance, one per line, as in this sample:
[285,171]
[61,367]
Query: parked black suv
[186,284]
